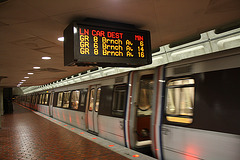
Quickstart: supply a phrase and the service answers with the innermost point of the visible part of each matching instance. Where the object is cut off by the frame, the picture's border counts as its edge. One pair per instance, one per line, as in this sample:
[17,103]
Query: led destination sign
[91,45]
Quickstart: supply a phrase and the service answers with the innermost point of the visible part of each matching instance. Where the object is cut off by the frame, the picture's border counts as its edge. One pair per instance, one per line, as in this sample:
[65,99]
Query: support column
[1,104]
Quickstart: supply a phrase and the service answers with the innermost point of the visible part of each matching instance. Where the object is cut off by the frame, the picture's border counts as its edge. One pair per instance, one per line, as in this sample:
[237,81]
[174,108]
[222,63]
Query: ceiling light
[26,77]
[20,82]
[31,73]
[23,80]
[61,39]
[46,58]
[36,67]
[74,30]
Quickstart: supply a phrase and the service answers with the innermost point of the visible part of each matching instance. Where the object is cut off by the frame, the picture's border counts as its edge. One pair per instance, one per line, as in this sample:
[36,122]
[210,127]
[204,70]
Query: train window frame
[91,99]
[55,99]
[78,99]
[148,95]
[37,99]
[43,98]
[83,100]
[46,99]
[33,99]
[59,104]
[67,104]
[180,117]
[116,110]
[40,99]
[97,102]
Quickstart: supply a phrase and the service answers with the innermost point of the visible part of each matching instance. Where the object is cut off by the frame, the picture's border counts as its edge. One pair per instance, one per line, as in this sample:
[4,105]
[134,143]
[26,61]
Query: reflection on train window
[98,99]
[75,99]
[43,98]
[40,99]
[180,100]
[92,95]
[28,98]
[66,96]
[37,97]
[83,98]
[46,99]
[59,99]
[33,99]
[145,95]
[119,100]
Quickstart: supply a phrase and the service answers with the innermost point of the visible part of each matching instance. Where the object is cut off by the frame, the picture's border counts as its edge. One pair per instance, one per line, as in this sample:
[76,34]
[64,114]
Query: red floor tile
[25,135]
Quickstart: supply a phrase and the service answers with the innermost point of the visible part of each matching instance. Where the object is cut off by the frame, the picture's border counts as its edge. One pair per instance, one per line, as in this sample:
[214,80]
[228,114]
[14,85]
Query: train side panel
[201,111]
[43,109]
[111,129]
[186,143]
[112,108]
[75,118]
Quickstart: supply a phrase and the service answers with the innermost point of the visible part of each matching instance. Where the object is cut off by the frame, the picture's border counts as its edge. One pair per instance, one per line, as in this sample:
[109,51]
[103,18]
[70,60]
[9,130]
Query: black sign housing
[89,45]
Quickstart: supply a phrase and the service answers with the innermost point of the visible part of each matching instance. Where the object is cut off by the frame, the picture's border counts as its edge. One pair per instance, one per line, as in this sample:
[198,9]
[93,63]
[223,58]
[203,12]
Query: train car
[197,109]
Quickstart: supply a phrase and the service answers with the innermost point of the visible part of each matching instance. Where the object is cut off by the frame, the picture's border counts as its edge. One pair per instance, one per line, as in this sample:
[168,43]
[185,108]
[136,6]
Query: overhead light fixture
[30,73]
[61,39]
[26,77]
[20,82]
[74,30]
[23,80]
[36,67]
[46,58]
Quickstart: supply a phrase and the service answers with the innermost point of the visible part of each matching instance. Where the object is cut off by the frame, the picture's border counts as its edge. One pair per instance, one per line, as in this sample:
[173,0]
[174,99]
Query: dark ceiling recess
[185,40]
[228,27]
[1,77]
[52,70]
[2,1]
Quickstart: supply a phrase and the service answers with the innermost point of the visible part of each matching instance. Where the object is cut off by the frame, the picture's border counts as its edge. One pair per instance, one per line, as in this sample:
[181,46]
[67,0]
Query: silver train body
[183,110]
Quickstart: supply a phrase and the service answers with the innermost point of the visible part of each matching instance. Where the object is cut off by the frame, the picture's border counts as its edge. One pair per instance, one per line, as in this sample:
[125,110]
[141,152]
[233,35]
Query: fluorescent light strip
[46,58]
[61,39]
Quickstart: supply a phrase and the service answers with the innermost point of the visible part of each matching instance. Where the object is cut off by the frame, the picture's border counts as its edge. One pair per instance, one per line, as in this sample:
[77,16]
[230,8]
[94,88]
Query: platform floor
[31,135]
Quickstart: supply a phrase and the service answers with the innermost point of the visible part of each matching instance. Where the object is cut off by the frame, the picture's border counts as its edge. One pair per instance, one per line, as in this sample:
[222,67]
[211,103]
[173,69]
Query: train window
[40,99]
[119,100]
[75,99]
[33,99]
[43,99]
[59,99]
[92,95]
[37,97]
[145,95]
[180,100]
[46,99]
[98,99]
[66,97]
[55,99]
[83,98]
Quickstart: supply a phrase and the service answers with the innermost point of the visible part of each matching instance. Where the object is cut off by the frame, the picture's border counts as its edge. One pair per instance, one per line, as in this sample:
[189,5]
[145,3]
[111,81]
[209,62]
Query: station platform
[27,134]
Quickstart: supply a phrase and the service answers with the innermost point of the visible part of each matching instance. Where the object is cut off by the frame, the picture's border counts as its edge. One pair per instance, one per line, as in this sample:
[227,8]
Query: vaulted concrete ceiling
[29,29]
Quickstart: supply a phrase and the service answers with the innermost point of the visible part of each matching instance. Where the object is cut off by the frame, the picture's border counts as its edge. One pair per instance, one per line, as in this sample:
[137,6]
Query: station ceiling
[29,29]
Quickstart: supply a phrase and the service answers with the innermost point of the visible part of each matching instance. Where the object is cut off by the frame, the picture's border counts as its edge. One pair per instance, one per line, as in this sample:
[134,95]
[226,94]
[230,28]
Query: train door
[144,108]
[51,104]
[93,106]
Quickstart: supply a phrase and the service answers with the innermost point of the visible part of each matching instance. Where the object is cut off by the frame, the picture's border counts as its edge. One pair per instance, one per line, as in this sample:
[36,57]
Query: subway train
[183,110]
